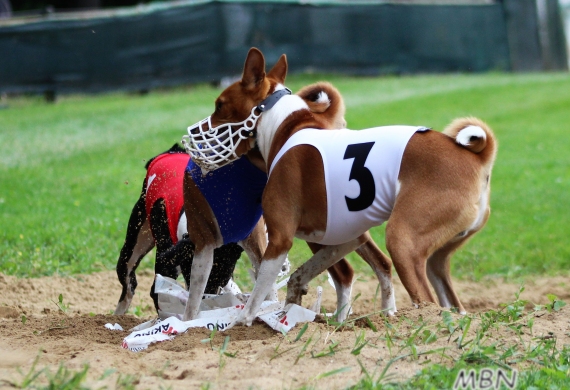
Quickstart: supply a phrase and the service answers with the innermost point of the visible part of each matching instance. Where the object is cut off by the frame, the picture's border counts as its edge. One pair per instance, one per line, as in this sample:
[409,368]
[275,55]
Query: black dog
[158,219]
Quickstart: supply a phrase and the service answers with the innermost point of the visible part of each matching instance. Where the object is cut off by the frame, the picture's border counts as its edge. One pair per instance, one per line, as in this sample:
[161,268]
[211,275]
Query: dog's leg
[138,243]
[204,232]
[266,277]
[409,252]
[439,275]
[280,242]
[200,272]
[201,269]
[163,265]
[342,275]
[225,259]
[180,254]
[126,271]
[382,267]
[320,261]
[438,267]
[255,245]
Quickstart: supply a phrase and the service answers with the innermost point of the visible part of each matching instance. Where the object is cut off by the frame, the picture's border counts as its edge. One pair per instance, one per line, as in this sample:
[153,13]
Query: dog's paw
[390,309]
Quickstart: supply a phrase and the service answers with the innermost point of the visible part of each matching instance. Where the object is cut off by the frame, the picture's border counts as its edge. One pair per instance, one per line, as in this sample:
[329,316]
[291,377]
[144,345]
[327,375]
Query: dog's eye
[219,106]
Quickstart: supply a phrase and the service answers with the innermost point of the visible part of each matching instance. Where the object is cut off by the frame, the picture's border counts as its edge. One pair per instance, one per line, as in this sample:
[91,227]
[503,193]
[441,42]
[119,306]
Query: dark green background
[162,44]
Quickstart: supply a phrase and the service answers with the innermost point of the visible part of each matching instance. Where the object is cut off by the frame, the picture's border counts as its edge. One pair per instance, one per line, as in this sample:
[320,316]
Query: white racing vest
[361,175]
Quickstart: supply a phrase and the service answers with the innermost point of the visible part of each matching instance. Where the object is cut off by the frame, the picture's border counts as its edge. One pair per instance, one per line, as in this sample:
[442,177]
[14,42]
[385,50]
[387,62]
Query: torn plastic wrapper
[172,298]
[113,327]
[216,312]
[284,320]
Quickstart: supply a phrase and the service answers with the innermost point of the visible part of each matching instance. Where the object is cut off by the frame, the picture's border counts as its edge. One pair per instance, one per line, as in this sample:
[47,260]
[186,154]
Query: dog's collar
[266,105]
[271,100]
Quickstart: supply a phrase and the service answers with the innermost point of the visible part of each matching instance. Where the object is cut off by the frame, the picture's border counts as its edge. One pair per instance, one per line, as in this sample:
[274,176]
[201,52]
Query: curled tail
[326,102]
[474,135]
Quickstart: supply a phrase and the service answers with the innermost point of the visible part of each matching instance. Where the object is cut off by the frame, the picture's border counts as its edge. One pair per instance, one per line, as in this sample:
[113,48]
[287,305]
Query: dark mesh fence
[144,47]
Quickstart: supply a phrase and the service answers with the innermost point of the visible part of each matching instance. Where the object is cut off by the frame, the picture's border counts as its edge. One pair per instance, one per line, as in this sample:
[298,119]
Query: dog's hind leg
[164,266]
[382,267]
[438,267]
[342,275]
[326,257]
[181,255]
[411,243]
[138,243]
[225,259]
[439,275]
[409,254]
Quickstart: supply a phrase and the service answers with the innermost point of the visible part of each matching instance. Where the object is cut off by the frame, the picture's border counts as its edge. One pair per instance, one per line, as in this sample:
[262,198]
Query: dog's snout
[200,127]
[195,129]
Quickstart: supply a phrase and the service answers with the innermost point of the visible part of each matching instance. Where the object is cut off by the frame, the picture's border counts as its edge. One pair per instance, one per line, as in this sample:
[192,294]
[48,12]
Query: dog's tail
[474,135]
[324,99]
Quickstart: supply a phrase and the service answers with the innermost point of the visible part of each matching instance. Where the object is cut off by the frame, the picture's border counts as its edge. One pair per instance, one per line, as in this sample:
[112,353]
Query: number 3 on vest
[359,152]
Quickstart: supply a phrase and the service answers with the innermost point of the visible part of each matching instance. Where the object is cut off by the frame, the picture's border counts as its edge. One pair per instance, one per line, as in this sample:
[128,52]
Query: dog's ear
[253,69]
[279,70]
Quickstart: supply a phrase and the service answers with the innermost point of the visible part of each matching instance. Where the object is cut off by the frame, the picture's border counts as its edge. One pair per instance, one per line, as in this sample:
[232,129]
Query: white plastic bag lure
[217,312]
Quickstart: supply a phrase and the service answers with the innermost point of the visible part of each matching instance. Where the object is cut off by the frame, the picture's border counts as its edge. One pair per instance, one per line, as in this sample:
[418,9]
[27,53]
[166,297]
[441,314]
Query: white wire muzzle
[215,147]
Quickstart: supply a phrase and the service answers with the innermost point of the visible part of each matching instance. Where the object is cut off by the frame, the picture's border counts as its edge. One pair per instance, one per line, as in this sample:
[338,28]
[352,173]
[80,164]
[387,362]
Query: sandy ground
[263,358]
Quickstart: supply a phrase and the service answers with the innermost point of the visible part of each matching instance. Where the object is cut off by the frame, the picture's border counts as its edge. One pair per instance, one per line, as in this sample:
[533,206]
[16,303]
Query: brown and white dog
[437,190]
[158,219]
[256,88]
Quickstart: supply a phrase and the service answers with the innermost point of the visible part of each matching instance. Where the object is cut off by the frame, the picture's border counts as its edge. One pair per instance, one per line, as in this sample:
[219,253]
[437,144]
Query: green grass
[502,340]
[63,378]
[476,342]
[70,172]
